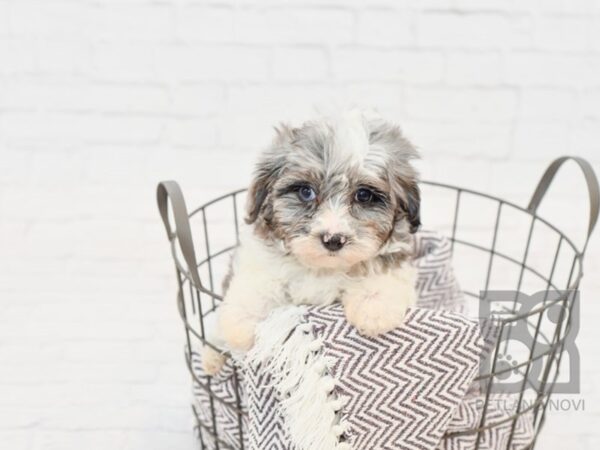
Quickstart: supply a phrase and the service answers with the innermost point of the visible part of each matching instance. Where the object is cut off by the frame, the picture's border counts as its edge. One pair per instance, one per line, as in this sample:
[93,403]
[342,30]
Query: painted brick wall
[100,99]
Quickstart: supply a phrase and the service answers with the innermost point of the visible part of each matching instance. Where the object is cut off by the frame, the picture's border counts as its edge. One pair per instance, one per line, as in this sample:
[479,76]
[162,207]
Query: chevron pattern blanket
[326,387]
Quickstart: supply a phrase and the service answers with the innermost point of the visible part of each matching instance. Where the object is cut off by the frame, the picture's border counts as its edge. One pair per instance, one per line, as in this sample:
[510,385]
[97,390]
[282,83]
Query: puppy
[330,214]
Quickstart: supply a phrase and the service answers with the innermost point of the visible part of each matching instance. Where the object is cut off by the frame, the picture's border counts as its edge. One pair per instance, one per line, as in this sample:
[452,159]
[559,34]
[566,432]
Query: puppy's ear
[403,176]
[257,193]
[268,168]
[413,206]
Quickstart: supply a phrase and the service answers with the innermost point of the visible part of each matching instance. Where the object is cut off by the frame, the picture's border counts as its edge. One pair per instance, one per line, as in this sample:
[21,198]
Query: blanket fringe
[287,349]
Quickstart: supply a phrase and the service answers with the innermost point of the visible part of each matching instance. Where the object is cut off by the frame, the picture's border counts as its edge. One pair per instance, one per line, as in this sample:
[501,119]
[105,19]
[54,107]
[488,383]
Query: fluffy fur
[330,214]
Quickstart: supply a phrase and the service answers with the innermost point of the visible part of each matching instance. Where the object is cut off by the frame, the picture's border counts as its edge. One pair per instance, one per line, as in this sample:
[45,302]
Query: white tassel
[287,349]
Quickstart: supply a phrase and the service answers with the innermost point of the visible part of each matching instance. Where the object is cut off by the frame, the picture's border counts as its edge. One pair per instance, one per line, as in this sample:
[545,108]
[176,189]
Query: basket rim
[577,251]
[577,259]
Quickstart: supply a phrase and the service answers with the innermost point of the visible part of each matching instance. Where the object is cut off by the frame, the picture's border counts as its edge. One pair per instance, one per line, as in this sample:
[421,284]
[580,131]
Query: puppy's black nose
[333,242]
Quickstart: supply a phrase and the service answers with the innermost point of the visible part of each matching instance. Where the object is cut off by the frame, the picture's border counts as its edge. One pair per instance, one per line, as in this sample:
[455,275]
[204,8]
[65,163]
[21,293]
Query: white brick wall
[101,99]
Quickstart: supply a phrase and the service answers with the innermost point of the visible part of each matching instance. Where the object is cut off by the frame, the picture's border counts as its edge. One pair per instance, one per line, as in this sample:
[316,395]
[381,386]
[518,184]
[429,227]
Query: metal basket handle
[170,190]
[592,185]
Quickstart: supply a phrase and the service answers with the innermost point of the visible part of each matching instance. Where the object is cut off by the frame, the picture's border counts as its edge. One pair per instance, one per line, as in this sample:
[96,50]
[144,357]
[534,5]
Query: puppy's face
[337,192]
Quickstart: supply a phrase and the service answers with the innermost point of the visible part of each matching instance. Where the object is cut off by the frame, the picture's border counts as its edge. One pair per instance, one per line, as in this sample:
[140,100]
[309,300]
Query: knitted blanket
[311,382]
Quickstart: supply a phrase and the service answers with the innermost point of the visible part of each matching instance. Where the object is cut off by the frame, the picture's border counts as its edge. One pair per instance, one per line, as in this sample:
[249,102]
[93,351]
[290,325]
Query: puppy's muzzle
[333,242]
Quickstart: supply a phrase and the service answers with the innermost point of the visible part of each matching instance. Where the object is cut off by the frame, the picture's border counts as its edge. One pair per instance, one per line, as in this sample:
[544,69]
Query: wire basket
[510,250]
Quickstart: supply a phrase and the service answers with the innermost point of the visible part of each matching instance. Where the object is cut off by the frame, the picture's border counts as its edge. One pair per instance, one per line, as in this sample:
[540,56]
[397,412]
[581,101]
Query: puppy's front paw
[212,361]
[240,338]
[373,315]
[237,327]
[378,304]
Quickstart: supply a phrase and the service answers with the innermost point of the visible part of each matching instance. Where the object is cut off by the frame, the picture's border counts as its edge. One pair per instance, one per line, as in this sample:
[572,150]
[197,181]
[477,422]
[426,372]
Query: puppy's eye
[306,193]
[364,196]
